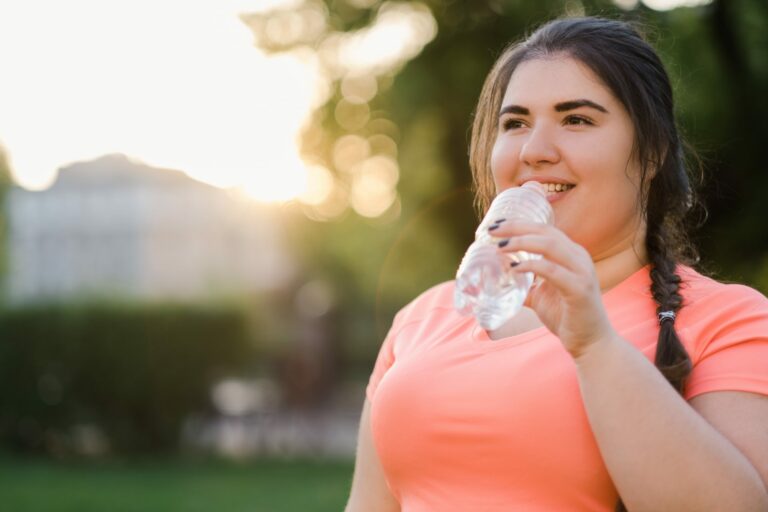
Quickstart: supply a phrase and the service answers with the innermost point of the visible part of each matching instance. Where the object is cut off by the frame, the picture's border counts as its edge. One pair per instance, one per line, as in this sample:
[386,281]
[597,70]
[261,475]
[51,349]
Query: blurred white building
[115,227]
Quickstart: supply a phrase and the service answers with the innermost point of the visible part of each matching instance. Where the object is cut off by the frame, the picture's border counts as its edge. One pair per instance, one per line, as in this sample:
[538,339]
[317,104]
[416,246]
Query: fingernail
[495,226]
[514,264]
[504,243]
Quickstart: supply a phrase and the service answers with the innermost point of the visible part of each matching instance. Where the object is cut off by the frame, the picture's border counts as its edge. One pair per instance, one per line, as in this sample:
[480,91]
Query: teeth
[557,187]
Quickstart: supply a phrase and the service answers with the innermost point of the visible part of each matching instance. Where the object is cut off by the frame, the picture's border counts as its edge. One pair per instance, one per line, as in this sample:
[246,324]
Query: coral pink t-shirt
[465,423]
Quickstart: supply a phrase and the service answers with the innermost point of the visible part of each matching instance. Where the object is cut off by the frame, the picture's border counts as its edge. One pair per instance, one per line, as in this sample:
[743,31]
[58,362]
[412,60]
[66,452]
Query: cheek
[613,207]
[503,162]
[605,164]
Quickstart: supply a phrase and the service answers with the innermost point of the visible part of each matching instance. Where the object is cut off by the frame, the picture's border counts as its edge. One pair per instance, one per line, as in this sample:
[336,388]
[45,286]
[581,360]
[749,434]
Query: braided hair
[630,68]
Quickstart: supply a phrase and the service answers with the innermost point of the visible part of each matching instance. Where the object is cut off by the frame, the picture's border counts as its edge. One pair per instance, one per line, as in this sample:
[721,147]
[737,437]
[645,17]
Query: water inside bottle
[493,310]
[486,284]
[489,288]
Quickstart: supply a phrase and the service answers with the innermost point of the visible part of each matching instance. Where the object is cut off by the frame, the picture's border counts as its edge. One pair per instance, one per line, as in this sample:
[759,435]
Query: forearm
[660,453]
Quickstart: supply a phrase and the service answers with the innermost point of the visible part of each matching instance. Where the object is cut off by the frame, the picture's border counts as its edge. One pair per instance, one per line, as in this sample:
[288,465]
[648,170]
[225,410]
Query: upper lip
[545,179]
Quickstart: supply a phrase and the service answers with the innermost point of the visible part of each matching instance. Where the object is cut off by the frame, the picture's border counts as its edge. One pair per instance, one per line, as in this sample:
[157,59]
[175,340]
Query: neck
[612,267]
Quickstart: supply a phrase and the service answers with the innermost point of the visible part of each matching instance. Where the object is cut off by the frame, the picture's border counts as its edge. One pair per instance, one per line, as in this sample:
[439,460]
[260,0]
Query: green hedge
[134,372]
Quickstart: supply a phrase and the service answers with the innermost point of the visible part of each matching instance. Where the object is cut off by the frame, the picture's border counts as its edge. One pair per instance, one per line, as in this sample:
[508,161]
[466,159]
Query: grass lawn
[173,486]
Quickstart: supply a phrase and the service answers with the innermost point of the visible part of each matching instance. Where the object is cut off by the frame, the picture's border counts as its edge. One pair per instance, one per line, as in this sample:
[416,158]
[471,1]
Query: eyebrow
[559,107]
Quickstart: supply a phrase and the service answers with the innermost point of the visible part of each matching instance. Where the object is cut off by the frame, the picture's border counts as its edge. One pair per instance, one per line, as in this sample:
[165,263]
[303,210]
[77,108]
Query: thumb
[532,291]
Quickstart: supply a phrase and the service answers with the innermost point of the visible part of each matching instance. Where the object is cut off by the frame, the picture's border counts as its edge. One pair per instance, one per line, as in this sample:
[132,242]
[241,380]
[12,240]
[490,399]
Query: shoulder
[436,299]
[708,299]
[724,327]
[717,315]
[424,317]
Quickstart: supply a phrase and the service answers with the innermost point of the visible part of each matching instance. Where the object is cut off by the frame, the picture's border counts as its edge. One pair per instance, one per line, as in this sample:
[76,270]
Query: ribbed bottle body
[487,286]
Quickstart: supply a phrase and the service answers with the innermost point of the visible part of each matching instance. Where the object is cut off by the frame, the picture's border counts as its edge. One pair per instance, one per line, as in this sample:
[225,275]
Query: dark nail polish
[514,264]
[504,243]
[495,226]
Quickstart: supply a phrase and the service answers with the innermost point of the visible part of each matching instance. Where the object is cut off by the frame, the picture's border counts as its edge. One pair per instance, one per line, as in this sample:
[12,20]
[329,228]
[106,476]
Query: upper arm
[370,492]
[742,418]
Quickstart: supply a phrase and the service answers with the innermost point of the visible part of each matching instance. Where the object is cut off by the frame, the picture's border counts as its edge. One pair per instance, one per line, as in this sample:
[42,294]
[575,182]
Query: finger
[563,279]
[537,282]
[508,228]
[563,252]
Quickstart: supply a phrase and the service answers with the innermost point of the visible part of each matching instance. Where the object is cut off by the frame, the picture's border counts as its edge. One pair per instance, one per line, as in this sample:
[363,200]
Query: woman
[561,409]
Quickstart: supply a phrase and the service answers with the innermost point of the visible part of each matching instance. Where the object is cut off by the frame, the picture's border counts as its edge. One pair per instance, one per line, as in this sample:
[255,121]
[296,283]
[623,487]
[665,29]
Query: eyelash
[508,124]
[584,120]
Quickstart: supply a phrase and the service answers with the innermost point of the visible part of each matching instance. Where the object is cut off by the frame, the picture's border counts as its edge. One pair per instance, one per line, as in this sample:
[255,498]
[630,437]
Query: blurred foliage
[133,373]
[717,56]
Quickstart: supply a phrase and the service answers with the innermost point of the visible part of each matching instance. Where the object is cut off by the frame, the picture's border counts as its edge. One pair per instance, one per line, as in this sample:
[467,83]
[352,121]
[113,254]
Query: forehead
[554,79]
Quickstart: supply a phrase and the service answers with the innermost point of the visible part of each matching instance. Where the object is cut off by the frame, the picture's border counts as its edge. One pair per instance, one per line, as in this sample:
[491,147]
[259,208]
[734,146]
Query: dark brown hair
[630,68]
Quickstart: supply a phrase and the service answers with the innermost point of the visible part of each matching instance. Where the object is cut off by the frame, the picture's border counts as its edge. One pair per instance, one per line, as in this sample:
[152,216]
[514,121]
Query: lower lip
[558,195]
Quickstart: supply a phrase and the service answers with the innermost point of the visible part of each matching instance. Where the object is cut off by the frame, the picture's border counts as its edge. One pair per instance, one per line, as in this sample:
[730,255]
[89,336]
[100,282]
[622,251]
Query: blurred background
[212,210]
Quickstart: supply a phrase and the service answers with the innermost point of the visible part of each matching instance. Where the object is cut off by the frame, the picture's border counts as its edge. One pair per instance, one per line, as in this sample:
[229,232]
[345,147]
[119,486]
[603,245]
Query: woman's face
[560,125]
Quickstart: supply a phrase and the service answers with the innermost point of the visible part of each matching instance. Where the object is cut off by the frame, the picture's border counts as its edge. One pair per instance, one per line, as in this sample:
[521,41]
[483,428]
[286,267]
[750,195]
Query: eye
[512,123]
[577,120]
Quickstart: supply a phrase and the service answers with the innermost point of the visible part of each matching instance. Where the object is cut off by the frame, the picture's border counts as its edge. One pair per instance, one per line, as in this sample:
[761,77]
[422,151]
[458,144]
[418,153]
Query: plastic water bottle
[486,284]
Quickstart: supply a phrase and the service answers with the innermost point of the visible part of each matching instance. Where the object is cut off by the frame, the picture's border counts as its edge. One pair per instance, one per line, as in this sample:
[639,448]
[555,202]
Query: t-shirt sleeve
[734,356]
[394,344]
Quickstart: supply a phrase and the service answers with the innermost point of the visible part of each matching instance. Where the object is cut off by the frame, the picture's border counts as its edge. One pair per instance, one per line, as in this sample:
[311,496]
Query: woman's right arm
[369,489]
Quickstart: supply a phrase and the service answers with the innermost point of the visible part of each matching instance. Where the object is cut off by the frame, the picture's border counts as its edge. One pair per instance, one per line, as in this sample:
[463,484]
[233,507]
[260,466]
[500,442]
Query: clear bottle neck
[523,203]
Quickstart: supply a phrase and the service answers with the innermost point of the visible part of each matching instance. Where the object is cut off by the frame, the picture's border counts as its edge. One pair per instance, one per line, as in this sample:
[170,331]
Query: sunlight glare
[373,186]
[319,185]
[174,84]
[661,5]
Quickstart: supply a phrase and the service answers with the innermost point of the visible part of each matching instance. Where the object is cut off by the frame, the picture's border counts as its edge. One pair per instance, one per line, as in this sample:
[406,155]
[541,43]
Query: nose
[540,148]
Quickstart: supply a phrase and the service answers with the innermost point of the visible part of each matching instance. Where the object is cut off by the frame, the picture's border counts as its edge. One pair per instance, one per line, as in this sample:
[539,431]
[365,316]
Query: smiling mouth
[553,189]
